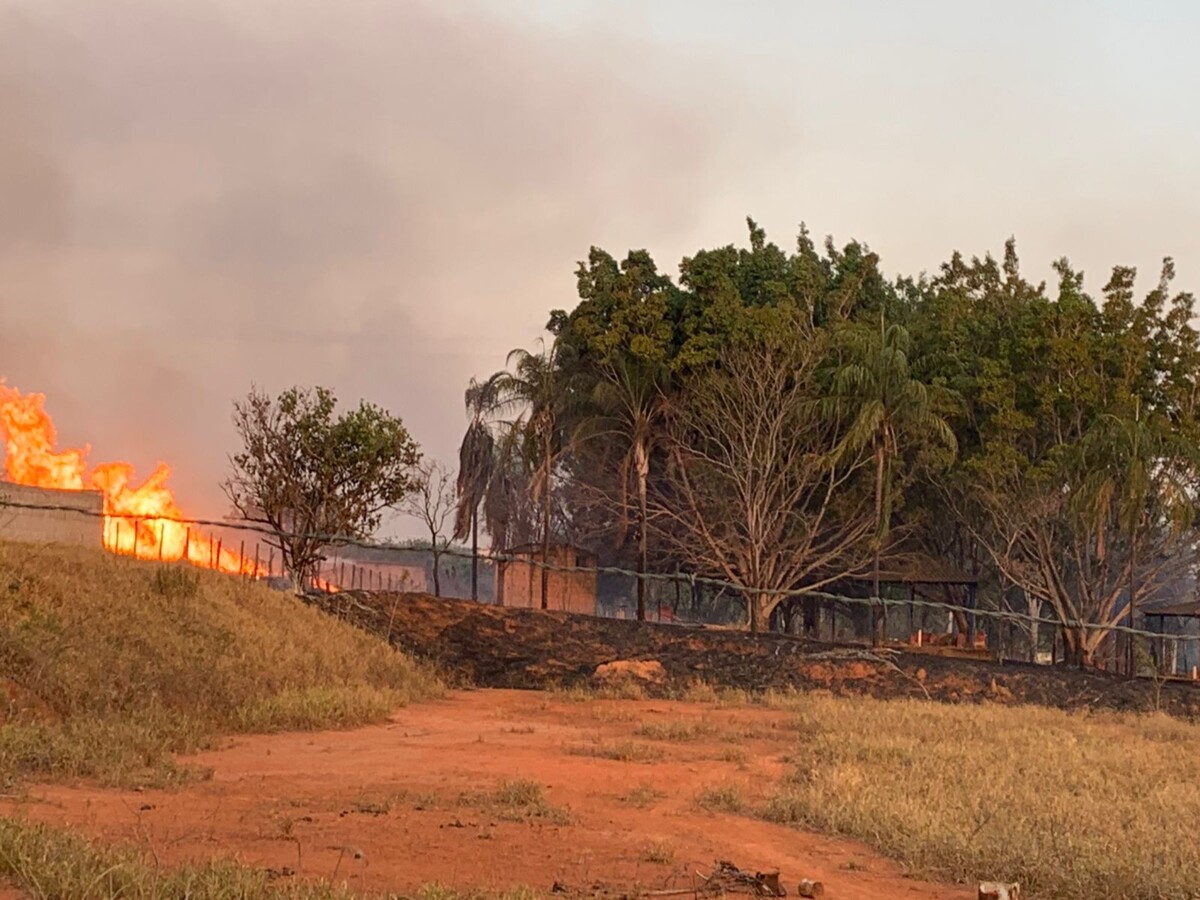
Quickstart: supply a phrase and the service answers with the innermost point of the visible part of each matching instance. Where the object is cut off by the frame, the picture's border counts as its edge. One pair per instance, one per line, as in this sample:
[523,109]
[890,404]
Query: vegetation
[113,666]
[783,420]
[309,475]
[47,863]
[1068,805]
[432,503]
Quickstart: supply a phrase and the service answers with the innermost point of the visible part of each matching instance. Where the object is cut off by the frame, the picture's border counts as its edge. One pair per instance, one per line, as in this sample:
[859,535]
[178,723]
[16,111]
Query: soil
[492,646]
[405,804]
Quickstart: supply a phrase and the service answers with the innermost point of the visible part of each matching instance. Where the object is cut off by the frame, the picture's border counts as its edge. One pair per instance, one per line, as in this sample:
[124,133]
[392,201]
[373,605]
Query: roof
[921,570]
[1175,610]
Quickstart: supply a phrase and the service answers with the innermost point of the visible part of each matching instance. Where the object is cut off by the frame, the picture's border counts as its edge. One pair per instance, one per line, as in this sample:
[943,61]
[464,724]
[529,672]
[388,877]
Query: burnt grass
[499,647]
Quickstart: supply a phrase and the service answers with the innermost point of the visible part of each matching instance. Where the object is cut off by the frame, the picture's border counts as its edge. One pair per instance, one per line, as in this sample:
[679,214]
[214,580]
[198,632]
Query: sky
[386,196]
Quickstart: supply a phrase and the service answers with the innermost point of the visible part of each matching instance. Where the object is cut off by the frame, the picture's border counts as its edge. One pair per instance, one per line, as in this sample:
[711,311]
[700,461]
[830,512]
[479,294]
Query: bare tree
[757,491]
[433,501]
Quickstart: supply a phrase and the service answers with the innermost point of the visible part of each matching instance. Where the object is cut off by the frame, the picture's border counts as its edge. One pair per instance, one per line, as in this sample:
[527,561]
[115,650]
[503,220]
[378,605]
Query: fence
[678,598]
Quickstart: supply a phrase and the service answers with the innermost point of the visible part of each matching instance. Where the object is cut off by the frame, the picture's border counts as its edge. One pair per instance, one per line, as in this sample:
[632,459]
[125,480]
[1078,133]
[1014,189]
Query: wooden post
[162,531]
[218,565]
[270,561]
[242,557]
[116,535]
[187,544]
[912,608]
[254,573]
[341,579]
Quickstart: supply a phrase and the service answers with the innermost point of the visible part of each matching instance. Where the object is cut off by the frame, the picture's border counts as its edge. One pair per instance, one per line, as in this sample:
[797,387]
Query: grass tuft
[621,751]
[727,798]
[678,730]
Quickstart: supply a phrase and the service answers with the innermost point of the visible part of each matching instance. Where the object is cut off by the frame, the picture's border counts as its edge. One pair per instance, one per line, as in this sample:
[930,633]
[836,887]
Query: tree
[476,464]
[432,503]
[757,492]
[890,412]
[311,476]
[534,390]
[1080,473]
[630,401]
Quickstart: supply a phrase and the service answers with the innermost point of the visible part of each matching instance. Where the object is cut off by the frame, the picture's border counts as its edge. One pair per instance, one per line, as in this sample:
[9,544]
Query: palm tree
[475,467]
[630,399]
[534,389]
[888,407]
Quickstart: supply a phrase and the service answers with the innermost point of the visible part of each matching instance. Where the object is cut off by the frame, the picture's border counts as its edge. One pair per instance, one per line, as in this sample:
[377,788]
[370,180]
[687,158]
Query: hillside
[109,665]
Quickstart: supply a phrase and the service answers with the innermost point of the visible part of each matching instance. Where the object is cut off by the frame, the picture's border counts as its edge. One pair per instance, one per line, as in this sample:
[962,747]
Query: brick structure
[35,519]
[519,581]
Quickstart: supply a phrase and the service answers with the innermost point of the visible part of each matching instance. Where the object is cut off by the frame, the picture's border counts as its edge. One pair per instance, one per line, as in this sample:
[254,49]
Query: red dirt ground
[394,795]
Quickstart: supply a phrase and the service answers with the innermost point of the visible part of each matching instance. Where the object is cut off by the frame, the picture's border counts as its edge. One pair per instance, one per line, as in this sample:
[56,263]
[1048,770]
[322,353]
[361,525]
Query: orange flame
[137,518]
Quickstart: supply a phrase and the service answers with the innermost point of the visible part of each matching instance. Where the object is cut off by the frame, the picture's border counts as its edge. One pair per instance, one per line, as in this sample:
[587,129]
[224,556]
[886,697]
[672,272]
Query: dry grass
[112,666]
[1069,805]
[658,852]
[727,798]
[678,730]
[643,796]
[520,800]
[48,864]
[621,751]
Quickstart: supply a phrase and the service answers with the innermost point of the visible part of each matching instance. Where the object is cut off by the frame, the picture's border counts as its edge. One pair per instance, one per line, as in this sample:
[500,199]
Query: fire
[140,520]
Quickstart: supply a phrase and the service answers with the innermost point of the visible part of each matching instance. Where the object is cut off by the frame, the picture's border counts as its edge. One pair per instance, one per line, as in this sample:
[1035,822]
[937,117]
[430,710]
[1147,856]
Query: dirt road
[435,795]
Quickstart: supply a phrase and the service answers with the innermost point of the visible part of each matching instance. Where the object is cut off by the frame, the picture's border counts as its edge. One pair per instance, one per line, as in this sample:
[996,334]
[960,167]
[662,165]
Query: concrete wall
[51,526]
[520,582]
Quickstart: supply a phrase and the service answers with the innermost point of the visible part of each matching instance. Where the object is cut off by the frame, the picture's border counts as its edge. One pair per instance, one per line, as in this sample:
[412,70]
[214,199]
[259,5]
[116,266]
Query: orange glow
[131,523]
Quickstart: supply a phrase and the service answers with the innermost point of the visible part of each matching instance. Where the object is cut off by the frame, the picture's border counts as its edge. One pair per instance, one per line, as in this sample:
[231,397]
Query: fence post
[254,574]
[187,544]
[242,558]
[162,533]
[218,565]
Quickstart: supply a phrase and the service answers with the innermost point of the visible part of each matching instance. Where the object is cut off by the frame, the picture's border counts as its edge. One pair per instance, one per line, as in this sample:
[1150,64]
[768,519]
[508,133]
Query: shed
[570,578]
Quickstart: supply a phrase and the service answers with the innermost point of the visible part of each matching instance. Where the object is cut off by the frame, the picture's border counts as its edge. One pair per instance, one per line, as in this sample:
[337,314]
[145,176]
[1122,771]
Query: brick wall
[520,581]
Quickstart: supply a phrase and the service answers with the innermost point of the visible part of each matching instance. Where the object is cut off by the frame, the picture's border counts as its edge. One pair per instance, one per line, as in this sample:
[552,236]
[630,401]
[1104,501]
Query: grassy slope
[109,666]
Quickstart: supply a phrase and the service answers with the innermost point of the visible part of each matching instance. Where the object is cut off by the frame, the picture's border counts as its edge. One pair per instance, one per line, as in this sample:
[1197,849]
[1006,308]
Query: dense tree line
[783,420]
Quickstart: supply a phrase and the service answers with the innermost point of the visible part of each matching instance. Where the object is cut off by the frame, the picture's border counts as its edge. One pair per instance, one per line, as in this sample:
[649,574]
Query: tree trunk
[546,541]
[1035,611]
[437,579]
[1129,638]
[878,611]
[757,608]
[643,466]
[475,553]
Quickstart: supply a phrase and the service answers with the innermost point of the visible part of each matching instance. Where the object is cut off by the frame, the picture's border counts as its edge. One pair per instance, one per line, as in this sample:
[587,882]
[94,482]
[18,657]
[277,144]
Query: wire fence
[357,564]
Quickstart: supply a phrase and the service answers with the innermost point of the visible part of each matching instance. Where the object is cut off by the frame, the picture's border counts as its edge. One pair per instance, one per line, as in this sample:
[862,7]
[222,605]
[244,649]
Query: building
[519,579]
[47,516]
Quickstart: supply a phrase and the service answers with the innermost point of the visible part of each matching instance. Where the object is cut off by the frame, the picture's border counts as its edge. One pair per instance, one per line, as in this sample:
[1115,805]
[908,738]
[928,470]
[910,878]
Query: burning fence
[142,520]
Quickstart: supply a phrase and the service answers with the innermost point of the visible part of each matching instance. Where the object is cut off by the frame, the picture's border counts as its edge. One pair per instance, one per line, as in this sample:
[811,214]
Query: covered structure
[570,578]
[916,578]
[1168,651]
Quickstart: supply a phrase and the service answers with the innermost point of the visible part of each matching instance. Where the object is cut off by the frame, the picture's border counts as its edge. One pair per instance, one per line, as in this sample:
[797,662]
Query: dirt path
[412,802]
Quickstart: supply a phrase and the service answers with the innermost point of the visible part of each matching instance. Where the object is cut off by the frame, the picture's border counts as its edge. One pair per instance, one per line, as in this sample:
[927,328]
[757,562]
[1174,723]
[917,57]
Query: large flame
[139,520]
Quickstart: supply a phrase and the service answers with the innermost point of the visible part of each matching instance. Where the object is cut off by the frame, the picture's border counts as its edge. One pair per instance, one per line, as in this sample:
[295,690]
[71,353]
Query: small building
[38,515]
[519,579]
